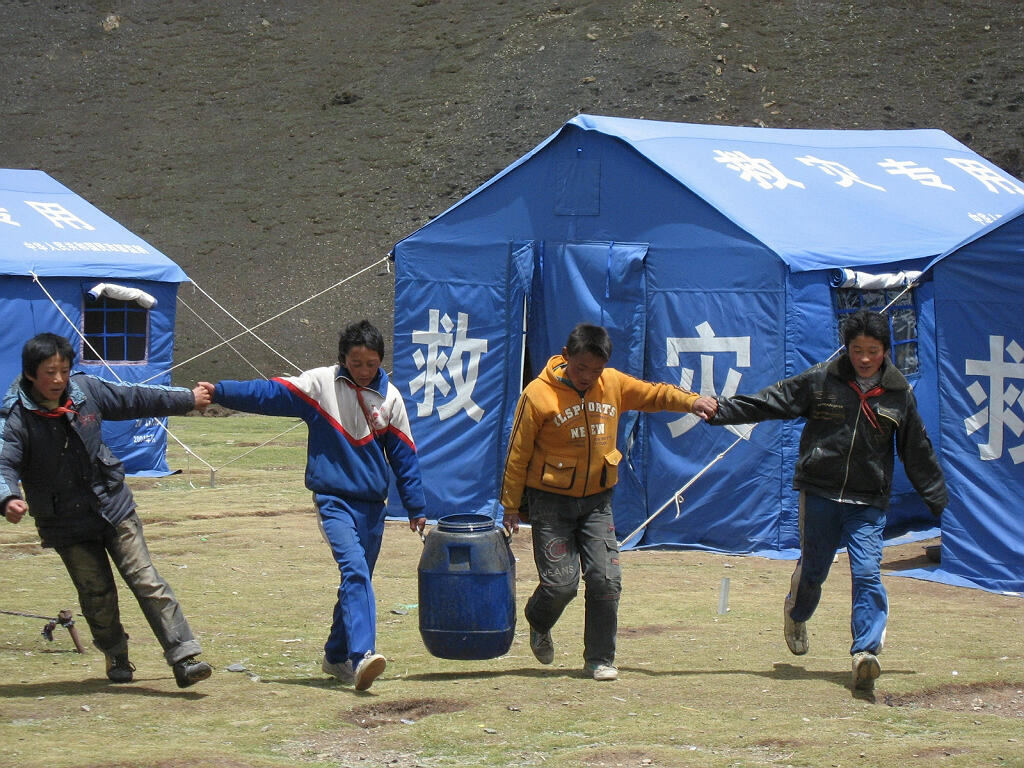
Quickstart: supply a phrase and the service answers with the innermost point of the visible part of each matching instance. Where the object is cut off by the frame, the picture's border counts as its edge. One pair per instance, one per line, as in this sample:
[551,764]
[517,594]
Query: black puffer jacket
[74,485]
[843,456]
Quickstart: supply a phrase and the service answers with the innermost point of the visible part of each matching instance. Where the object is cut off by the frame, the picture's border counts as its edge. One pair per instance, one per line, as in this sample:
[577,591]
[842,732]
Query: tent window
[117,330]
[902,320]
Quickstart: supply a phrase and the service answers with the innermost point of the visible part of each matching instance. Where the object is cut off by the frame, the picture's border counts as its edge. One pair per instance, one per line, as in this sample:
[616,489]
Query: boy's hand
[510,520]
[417,524]
[705,407]
[203,393]
[14,510]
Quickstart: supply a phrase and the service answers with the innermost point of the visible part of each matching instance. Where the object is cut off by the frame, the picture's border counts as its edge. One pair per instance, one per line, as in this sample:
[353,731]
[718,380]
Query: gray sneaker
[369,669]
[866,670]
[341,670]
[542,646]
[602,671]
[795,631]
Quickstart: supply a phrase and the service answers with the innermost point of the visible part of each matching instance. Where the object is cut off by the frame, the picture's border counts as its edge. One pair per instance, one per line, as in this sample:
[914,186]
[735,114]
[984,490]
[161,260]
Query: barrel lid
[466,522]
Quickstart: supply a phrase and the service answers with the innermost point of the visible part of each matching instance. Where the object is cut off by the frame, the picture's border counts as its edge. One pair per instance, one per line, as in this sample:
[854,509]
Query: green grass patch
[696,688]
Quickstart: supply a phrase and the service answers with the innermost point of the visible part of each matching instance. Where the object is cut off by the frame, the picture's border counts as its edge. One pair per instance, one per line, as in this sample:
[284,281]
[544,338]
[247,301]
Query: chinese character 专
[847,178]
[59,215]
[5,218]
[990,177]
[445,353]
[925,176]
[756,169]
[1002,398]
[707,345]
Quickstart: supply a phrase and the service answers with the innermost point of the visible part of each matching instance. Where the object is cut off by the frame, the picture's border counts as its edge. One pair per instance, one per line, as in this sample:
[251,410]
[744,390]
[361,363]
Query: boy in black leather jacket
[857,408]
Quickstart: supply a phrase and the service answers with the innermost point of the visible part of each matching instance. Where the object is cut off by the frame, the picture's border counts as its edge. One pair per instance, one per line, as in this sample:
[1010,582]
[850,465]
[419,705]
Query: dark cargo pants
[89,568]
[571,534]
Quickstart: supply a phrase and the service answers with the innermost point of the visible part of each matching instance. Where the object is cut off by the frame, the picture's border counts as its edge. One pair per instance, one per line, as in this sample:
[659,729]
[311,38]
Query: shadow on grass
[90,688]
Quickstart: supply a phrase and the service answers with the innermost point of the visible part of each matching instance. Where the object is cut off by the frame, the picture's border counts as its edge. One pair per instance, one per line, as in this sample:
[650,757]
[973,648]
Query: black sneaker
[190,670]
[119,669]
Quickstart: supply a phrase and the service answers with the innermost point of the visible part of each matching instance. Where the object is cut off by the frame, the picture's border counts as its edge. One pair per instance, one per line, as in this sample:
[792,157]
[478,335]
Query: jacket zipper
[586,427]
[849,456]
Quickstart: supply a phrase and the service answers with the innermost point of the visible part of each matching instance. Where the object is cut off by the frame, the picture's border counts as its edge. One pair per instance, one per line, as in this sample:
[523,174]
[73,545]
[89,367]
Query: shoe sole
[866,674]
[369,673]
[197,677]
[796,651]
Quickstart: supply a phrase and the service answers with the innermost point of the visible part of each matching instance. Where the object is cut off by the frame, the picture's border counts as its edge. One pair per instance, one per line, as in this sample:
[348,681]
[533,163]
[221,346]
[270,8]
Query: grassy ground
[696,688]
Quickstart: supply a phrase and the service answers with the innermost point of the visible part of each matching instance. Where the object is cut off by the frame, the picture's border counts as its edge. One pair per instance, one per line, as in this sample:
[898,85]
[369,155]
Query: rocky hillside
[274,149]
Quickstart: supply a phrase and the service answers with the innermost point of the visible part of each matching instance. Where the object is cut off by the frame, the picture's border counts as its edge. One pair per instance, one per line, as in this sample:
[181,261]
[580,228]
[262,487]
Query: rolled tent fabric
[849,278]
[123,293]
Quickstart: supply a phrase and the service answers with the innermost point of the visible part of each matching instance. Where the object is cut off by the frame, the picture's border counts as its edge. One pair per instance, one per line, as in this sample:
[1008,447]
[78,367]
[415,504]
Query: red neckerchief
[865,408]
[57,412]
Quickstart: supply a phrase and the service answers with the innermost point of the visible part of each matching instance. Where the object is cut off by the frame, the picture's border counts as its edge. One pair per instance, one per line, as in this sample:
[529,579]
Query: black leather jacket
[843,456]
[74,485]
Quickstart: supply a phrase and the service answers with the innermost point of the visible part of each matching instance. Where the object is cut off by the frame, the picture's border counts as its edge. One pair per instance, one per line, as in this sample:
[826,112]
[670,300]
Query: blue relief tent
[720,258]
[68,268]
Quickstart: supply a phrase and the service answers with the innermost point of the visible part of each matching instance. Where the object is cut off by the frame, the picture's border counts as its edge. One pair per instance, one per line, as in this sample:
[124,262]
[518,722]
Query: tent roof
[47,229]
[824,198]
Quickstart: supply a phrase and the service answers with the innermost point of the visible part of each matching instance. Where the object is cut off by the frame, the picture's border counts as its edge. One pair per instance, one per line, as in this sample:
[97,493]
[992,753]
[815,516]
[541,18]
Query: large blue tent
[720,258]
[68,268]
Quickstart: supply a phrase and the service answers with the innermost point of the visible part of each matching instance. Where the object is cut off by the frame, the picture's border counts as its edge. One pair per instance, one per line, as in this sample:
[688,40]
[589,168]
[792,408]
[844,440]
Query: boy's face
[866,355]
[583,369]
[362,363]
[51,378]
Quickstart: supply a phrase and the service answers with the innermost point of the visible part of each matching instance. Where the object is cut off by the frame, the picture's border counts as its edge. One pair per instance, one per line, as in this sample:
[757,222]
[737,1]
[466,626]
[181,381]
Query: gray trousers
[571,534]
[89,568]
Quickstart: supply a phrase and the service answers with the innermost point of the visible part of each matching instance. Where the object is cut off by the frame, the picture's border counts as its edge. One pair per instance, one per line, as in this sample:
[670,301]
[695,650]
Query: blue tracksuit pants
[354,530]
[825,526]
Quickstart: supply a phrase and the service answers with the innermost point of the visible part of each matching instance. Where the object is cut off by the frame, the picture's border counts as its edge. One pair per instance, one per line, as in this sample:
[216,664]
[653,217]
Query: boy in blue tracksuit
[358,431]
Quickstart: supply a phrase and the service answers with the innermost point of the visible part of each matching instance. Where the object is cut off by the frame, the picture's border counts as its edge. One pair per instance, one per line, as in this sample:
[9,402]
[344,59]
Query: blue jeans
[570,534]
[89,568]
[826,525]
[354,530]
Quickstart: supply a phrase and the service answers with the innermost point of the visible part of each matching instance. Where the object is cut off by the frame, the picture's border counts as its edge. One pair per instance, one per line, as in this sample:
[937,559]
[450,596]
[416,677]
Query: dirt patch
[1004,700]
[614,758]
[405,711]
[20,548]
[183,762]
[648,630]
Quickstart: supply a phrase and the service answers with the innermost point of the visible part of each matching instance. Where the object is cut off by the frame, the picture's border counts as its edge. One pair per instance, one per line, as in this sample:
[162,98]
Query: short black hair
[874,325]
[42,347]
[360,334]
[589,338]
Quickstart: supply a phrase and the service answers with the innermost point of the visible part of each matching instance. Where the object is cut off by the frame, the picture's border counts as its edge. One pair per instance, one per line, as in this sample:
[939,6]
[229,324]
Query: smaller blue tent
[722,259]
[68,268]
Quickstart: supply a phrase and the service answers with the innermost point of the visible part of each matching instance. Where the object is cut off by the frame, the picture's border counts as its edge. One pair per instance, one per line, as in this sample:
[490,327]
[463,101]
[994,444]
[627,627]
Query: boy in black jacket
[50,440]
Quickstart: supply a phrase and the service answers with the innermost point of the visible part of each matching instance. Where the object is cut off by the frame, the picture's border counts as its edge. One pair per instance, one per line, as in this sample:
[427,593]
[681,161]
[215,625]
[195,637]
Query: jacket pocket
[111,471]
[558,472]
[610,470]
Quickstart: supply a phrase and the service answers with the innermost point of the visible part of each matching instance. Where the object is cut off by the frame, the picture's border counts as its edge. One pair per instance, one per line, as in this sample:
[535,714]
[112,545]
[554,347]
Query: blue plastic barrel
[467,596]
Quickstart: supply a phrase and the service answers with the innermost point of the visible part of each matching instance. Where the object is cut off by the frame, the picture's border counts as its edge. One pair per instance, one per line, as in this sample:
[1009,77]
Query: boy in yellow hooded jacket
[562,457]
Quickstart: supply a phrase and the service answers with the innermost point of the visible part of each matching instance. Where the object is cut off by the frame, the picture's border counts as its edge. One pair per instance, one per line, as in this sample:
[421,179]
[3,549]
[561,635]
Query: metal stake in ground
[64,619]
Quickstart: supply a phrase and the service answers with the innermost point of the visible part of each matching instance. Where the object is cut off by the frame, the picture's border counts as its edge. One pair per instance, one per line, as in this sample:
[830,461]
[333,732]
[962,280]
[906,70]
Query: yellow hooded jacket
[564,443]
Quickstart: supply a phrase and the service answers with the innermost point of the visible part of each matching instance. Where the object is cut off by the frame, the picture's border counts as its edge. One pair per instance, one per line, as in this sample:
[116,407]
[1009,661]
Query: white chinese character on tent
[707,345]
[1002,397]
[924,176]
[847,178]
[756,169]
[5,218]
[445,355]
[990,177]
[59,215]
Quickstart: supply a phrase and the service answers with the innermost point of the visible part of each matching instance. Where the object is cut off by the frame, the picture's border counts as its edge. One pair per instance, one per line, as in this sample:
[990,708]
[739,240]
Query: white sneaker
[602,671]
[369,669]
[795,631]
[866,670]
[340,670]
